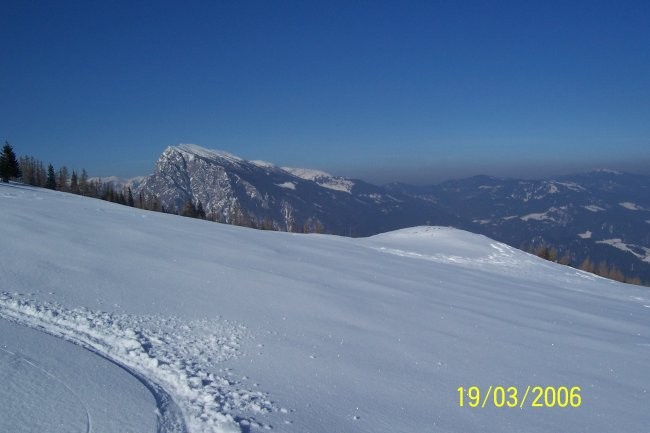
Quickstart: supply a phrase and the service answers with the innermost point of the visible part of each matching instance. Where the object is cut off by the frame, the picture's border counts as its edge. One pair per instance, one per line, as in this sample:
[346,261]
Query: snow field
[316,333]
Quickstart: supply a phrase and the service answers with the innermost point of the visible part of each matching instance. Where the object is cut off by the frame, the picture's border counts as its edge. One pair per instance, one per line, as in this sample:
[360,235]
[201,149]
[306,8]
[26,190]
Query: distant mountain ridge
[603,214]
[291,199]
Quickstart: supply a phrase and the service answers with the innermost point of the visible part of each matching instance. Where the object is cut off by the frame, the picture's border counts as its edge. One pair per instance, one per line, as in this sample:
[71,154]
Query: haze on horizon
[381,91]
[435,173]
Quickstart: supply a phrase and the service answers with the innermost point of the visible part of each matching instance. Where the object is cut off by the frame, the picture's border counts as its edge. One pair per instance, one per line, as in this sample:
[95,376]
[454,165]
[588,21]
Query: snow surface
[586,235]
[630,205]
[537,216]
[594,208]
[288,185]
[322,178]
[194,149]
[202,327]
[544,215]
[120,182]
[641,252]
[570,185]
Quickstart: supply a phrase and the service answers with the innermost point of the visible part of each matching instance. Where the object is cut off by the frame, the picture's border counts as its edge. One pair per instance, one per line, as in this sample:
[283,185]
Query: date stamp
[512,396]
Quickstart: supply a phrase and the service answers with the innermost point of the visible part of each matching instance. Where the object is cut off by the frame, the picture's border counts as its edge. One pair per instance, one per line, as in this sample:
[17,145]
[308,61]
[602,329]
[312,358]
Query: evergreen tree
[74,183]
[50,182]
[8,163]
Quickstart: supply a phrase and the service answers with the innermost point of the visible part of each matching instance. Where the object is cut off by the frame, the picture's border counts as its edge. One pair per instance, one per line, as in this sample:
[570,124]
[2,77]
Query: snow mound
[449,245]
[173,357]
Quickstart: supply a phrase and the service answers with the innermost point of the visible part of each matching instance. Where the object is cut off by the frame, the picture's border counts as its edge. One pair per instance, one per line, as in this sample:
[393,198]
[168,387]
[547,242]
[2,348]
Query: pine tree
[74,183]
[8,163]
[50,182]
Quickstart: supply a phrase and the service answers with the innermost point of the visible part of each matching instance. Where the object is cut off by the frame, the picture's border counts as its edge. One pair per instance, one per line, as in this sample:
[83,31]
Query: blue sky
[410,91]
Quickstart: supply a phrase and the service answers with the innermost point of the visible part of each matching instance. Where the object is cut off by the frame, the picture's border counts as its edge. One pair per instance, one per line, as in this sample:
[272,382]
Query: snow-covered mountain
[120,183]
[602,214]
[287,198]
[116,319]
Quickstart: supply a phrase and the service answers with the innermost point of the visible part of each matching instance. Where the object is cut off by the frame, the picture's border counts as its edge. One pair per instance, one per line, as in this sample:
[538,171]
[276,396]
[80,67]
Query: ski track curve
[169,356]
[34,364]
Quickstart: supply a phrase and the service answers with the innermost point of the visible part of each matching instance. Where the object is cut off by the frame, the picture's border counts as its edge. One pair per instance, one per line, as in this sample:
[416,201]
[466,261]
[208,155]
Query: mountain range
[602,215]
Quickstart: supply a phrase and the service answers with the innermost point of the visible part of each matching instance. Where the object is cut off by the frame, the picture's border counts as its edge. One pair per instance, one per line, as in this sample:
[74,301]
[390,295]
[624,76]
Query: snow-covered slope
[322,178]
[201,327]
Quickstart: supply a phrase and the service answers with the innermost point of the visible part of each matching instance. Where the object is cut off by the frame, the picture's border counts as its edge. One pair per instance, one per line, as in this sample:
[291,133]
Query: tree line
[33,172]
[603,268]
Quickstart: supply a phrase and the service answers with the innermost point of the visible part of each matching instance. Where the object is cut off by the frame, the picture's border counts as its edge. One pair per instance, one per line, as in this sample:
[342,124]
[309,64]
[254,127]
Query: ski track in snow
[169,356]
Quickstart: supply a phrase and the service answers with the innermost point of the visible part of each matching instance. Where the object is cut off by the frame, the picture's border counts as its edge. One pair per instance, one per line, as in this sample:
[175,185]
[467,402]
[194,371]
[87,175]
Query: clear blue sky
[411,91]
